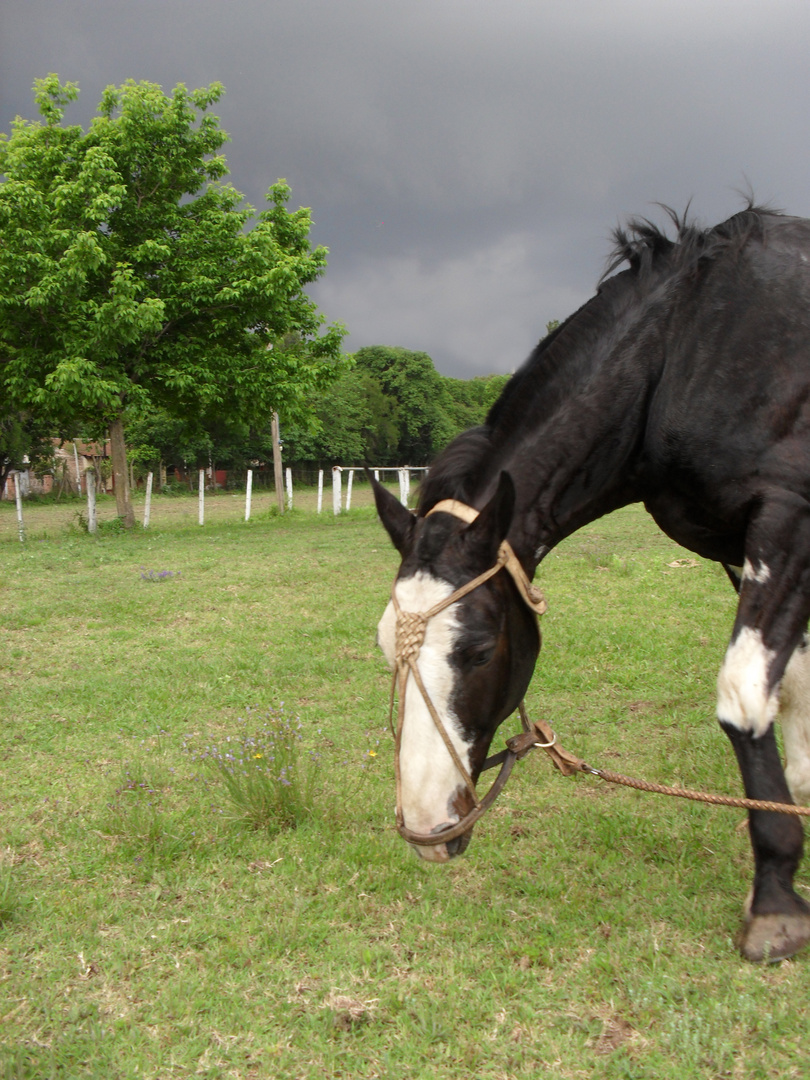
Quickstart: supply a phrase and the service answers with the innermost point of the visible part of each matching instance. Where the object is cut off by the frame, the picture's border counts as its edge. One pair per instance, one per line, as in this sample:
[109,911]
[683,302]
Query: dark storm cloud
[465,161]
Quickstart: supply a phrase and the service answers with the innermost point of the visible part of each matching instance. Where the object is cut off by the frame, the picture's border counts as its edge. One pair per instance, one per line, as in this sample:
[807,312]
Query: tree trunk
[118,452]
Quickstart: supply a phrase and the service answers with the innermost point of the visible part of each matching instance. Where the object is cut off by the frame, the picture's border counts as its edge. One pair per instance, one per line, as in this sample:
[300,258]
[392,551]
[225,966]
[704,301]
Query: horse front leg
[777,919]
[771,617]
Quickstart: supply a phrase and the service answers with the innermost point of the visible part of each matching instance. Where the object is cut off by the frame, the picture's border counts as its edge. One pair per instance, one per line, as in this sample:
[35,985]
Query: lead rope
[697,796]
[569,764]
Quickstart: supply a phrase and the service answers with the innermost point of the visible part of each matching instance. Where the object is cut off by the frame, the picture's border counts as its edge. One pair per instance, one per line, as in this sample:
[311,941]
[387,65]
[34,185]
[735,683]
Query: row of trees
[137,288]
[392,408]
[142,300]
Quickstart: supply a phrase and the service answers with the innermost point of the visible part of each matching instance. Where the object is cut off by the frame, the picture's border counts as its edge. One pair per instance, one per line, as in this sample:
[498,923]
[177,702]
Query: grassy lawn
[147,932]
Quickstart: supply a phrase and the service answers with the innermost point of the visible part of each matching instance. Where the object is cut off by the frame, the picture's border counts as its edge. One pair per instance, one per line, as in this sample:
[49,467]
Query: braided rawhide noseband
[411,627]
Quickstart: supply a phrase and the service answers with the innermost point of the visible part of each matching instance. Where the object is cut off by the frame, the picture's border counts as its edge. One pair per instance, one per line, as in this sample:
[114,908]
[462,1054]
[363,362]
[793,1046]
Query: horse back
[729,418]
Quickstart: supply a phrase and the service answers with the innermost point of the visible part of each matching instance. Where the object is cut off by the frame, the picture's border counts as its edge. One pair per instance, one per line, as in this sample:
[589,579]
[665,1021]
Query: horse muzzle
[442,852]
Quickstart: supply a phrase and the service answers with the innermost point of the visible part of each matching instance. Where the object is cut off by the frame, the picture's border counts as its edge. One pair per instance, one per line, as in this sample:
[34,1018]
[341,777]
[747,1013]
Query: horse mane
[646,247]
[461,468]
[455,472]
[472,457]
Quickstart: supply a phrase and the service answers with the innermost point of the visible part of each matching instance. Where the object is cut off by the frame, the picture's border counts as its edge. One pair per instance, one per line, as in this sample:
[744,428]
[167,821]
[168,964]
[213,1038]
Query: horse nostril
[455,846]
[458,844]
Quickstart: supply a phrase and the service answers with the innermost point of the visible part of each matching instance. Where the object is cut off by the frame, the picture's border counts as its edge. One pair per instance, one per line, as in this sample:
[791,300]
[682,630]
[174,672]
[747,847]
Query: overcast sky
[465,160]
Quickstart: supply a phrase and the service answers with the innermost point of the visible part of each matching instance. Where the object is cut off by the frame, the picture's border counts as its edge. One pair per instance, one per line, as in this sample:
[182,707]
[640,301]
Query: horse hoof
[773,937]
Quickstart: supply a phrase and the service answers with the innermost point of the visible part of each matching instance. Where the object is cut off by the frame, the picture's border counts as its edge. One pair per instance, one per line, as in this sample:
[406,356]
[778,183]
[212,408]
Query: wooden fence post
[248,493]
[320,490]
[147,503]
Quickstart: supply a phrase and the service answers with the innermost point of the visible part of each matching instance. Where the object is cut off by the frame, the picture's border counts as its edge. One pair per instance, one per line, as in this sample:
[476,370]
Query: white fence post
[248,493]
[90,481]
[201,510]
[277,463]
[78,474]
[336,486]
[404,485]
[289,488]
[18,500]
[147,505]
[320,490]
[349,490]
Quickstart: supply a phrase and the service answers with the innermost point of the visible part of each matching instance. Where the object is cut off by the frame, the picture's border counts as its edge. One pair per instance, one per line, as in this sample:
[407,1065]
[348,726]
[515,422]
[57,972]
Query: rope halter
[411,627]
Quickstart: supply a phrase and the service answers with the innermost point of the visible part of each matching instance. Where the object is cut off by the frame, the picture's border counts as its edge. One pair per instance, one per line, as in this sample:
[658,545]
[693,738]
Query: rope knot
[410,634]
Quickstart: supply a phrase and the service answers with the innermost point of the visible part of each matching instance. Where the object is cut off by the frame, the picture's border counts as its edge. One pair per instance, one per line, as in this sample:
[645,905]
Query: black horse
[683,383]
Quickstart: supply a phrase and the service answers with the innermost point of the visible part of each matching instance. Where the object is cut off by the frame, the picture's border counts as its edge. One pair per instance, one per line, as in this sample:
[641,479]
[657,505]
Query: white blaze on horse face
[794,716]
[429,777]
[743,698]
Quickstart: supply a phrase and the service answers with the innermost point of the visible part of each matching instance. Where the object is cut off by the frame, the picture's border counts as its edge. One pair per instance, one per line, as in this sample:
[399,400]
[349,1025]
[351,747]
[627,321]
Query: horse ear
[491,527]
[398,520]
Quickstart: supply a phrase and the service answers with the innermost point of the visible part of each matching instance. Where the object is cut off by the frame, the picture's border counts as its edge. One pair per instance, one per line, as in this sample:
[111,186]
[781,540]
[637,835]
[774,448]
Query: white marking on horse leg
[743,698]
[429,777]
[794,716]
[761,574]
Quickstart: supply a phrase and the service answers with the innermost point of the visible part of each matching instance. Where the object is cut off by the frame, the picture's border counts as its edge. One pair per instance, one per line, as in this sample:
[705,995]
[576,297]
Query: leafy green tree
[469,400]
[392,408]
[155,437]
[352,423]
[411,380]
[25,442]
[383,430]
[131,277]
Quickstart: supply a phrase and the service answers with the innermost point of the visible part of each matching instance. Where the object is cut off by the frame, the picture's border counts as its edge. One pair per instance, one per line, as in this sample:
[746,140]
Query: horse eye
[480,658]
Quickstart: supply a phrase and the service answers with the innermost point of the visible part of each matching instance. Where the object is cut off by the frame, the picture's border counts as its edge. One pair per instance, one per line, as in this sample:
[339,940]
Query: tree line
[144,302]
[390,407]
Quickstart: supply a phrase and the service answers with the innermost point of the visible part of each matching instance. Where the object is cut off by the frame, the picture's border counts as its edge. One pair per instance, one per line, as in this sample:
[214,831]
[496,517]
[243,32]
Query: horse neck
[569,429]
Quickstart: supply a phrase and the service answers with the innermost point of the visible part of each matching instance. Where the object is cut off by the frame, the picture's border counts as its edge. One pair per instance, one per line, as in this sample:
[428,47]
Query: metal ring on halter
[546,745]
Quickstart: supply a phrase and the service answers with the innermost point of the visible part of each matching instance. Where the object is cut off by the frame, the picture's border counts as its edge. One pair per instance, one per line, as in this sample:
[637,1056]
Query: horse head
[473,655]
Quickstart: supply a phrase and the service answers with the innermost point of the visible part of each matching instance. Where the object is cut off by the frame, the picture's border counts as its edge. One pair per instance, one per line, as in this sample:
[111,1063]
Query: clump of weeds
[268,777]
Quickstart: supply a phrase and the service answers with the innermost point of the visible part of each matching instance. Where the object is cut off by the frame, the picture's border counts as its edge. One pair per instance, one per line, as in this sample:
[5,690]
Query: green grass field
[588,931]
